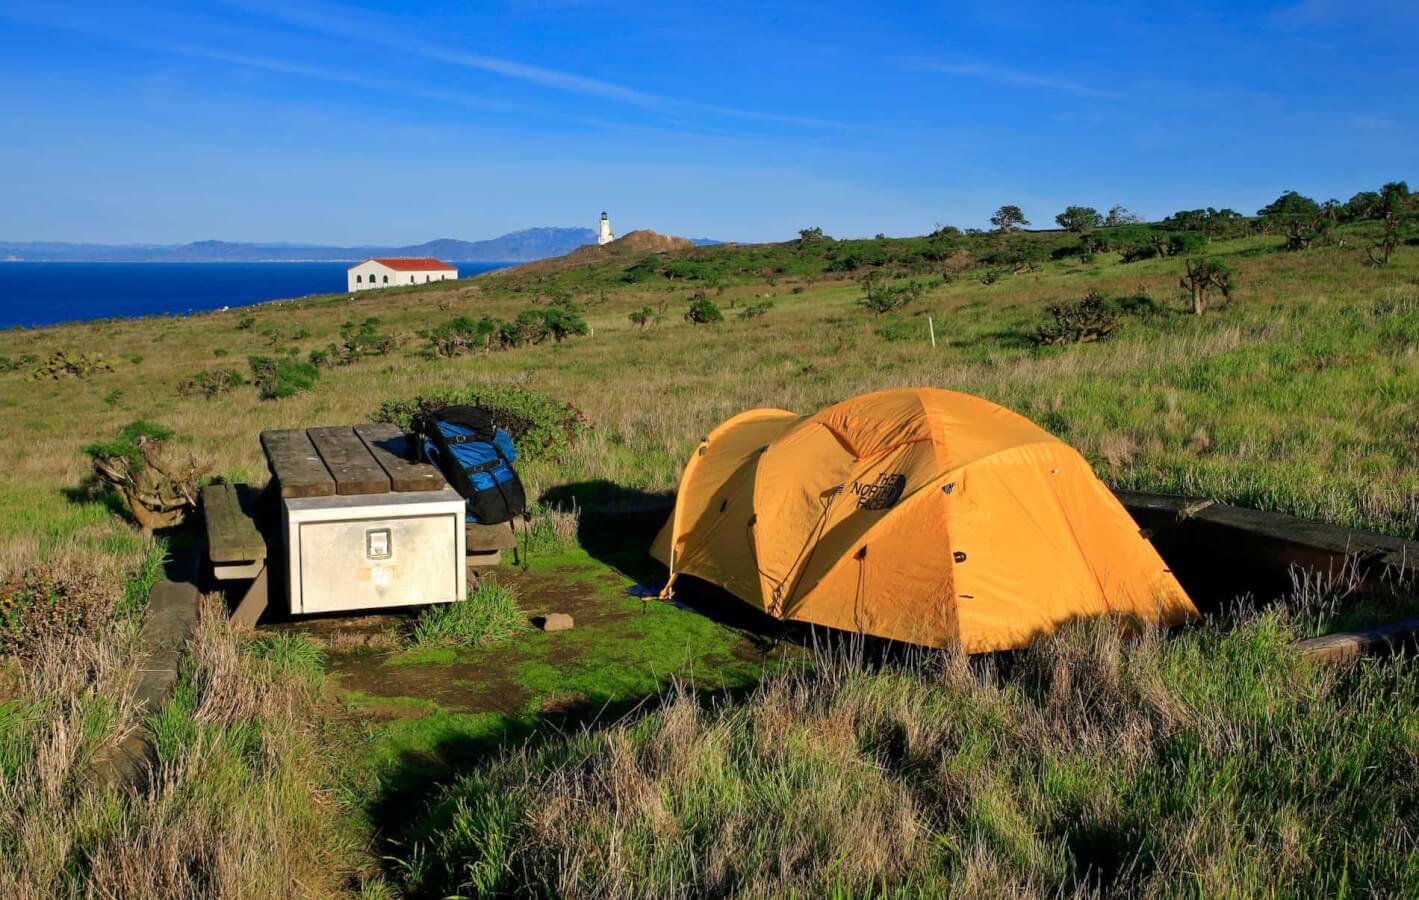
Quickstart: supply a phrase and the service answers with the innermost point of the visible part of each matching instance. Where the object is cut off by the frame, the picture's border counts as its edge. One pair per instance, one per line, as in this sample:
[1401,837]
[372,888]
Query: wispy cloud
[350,24]
[379,85]
[1016,78]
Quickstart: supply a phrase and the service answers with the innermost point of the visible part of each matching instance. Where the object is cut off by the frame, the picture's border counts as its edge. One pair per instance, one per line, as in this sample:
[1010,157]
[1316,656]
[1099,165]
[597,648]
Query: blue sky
[396,123]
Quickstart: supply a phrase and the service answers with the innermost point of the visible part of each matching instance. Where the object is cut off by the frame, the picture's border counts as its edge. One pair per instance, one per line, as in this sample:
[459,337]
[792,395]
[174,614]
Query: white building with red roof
[381,273]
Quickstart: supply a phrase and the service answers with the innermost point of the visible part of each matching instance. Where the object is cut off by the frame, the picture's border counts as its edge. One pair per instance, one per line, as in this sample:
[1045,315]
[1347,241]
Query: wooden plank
[349,461]
[232,533]
[486,538]
[389,448]
[295,465]
[1345,646]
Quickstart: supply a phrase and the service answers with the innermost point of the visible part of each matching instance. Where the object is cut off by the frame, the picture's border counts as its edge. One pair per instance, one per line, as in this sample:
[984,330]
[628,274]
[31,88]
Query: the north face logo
[882,493]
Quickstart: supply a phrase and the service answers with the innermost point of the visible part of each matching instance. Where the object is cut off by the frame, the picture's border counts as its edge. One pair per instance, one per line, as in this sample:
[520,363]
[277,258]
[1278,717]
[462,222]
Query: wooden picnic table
[345,460]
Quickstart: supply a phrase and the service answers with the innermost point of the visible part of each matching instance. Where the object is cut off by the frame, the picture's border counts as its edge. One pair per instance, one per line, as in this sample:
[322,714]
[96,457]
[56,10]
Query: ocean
[43,293]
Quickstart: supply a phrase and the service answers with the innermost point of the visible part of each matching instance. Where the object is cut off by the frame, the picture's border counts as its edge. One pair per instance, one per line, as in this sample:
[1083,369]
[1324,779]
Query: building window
[386,279]
[357,280]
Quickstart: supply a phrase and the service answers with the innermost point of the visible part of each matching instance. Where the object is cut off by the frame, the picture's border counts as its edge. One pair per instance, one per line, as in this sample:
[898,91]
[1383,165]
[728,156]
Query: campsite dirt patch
[369,656]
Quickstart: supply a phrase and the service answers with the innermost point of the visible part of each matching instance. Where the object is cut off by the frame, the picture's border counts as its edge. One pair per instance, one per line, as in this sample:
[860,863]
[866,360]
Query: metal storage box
[363,526]
[375,550]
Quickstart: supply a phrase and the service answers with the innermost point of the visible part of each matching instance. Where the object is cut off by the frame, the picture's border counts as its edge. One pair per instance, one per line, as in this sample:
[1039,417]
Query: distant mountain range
[518,246]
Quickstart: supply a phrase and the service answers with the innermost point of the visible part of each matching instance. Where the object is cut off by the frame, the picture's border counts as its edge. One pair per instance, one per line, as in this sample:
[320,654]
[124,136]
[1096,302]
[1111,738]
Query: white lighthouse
[604,236]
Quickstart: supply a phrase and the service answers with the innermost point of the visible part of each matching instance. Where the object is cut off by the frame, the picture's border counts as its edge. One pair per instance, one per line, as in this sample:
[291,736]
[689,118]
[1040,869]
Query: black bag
[476,457]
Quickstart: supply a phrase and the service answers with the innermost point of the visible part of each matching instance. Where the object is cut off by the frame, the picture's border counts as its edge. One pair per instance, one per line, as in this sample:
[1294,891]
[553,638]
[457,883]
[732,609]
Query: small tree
[812,235]
[1077,321]
[1079,219]
[530,327]
[1186,243]
[1119,216]
[880,296]
[703,311]
[1299,217]
[1391,236]
[563,320]
[363,338]
[281,376]
[1160,243]
[210,383]
[457,336]
[1008,218]
[642,317]
[1202,275]
[158,493]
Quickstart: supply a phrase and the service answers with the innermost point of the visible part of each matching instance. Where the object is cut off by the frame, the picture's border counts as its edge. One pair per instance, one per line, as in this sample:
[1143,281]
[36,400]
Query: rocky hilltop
[632,244]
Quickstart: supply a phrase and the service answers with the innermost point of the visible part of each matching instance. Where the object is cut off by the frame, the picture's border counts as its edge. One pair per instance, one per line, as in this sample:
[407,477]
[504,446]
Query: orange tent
[917,514]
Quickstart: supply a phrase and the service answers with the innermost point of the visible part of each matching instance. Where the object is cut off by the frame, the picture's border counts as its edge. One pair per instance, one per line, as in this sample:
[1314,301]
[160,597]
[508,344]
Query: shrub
[879,296]
[134,466]
[541,426]
[1185,243]
[645,269]
[246,323]
[703,311]
[457,336]
[14,365]
[276,335]
[562,320]
[42,602]
[210,383]
[490,615]
[642,317]
[1137,252]
[282,376]
[756,310]
[64,365]
[361,339]
[1077,321]
[527,329]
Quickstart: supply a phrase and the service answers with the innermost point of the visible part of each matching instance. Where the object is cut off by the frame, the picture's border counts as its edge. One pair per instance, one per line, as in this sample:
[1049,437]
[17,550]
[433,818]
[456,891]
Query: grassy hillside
[1300,393]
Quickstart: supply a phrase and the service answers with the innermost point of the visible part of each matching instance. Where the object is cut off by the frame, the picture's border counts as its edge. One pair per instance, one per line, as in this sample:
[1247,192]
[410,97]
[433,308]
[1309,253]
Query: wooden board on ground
[349,461]
[388,446]
[295,465]
[1345,646]
[232,533]
[488,538]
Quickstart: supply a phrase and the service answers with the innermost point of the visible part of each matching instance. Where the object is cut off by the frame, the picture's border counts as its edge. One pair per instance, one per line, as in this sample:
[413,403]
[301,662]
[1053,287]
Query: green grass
[1216,762]
[289,655]
[490,615]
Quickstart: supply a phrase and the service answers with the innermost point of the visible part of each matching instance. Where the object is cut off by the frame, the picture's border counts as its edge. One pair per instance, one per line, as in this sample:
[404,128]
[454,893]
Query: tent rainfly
[917,514]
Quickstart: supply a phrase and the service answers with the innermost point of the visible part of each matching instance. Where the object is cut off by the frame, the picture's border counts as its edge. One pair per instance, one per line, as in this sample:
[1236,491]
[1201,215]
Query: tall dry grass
[1212,762]
[228,809]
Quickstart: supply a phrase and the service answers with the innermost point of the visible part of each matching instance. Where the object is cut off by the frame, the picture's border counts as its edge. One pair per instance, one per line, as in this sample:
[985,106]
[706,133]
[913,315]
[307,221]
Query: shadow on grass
[617,524]
[408,805]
